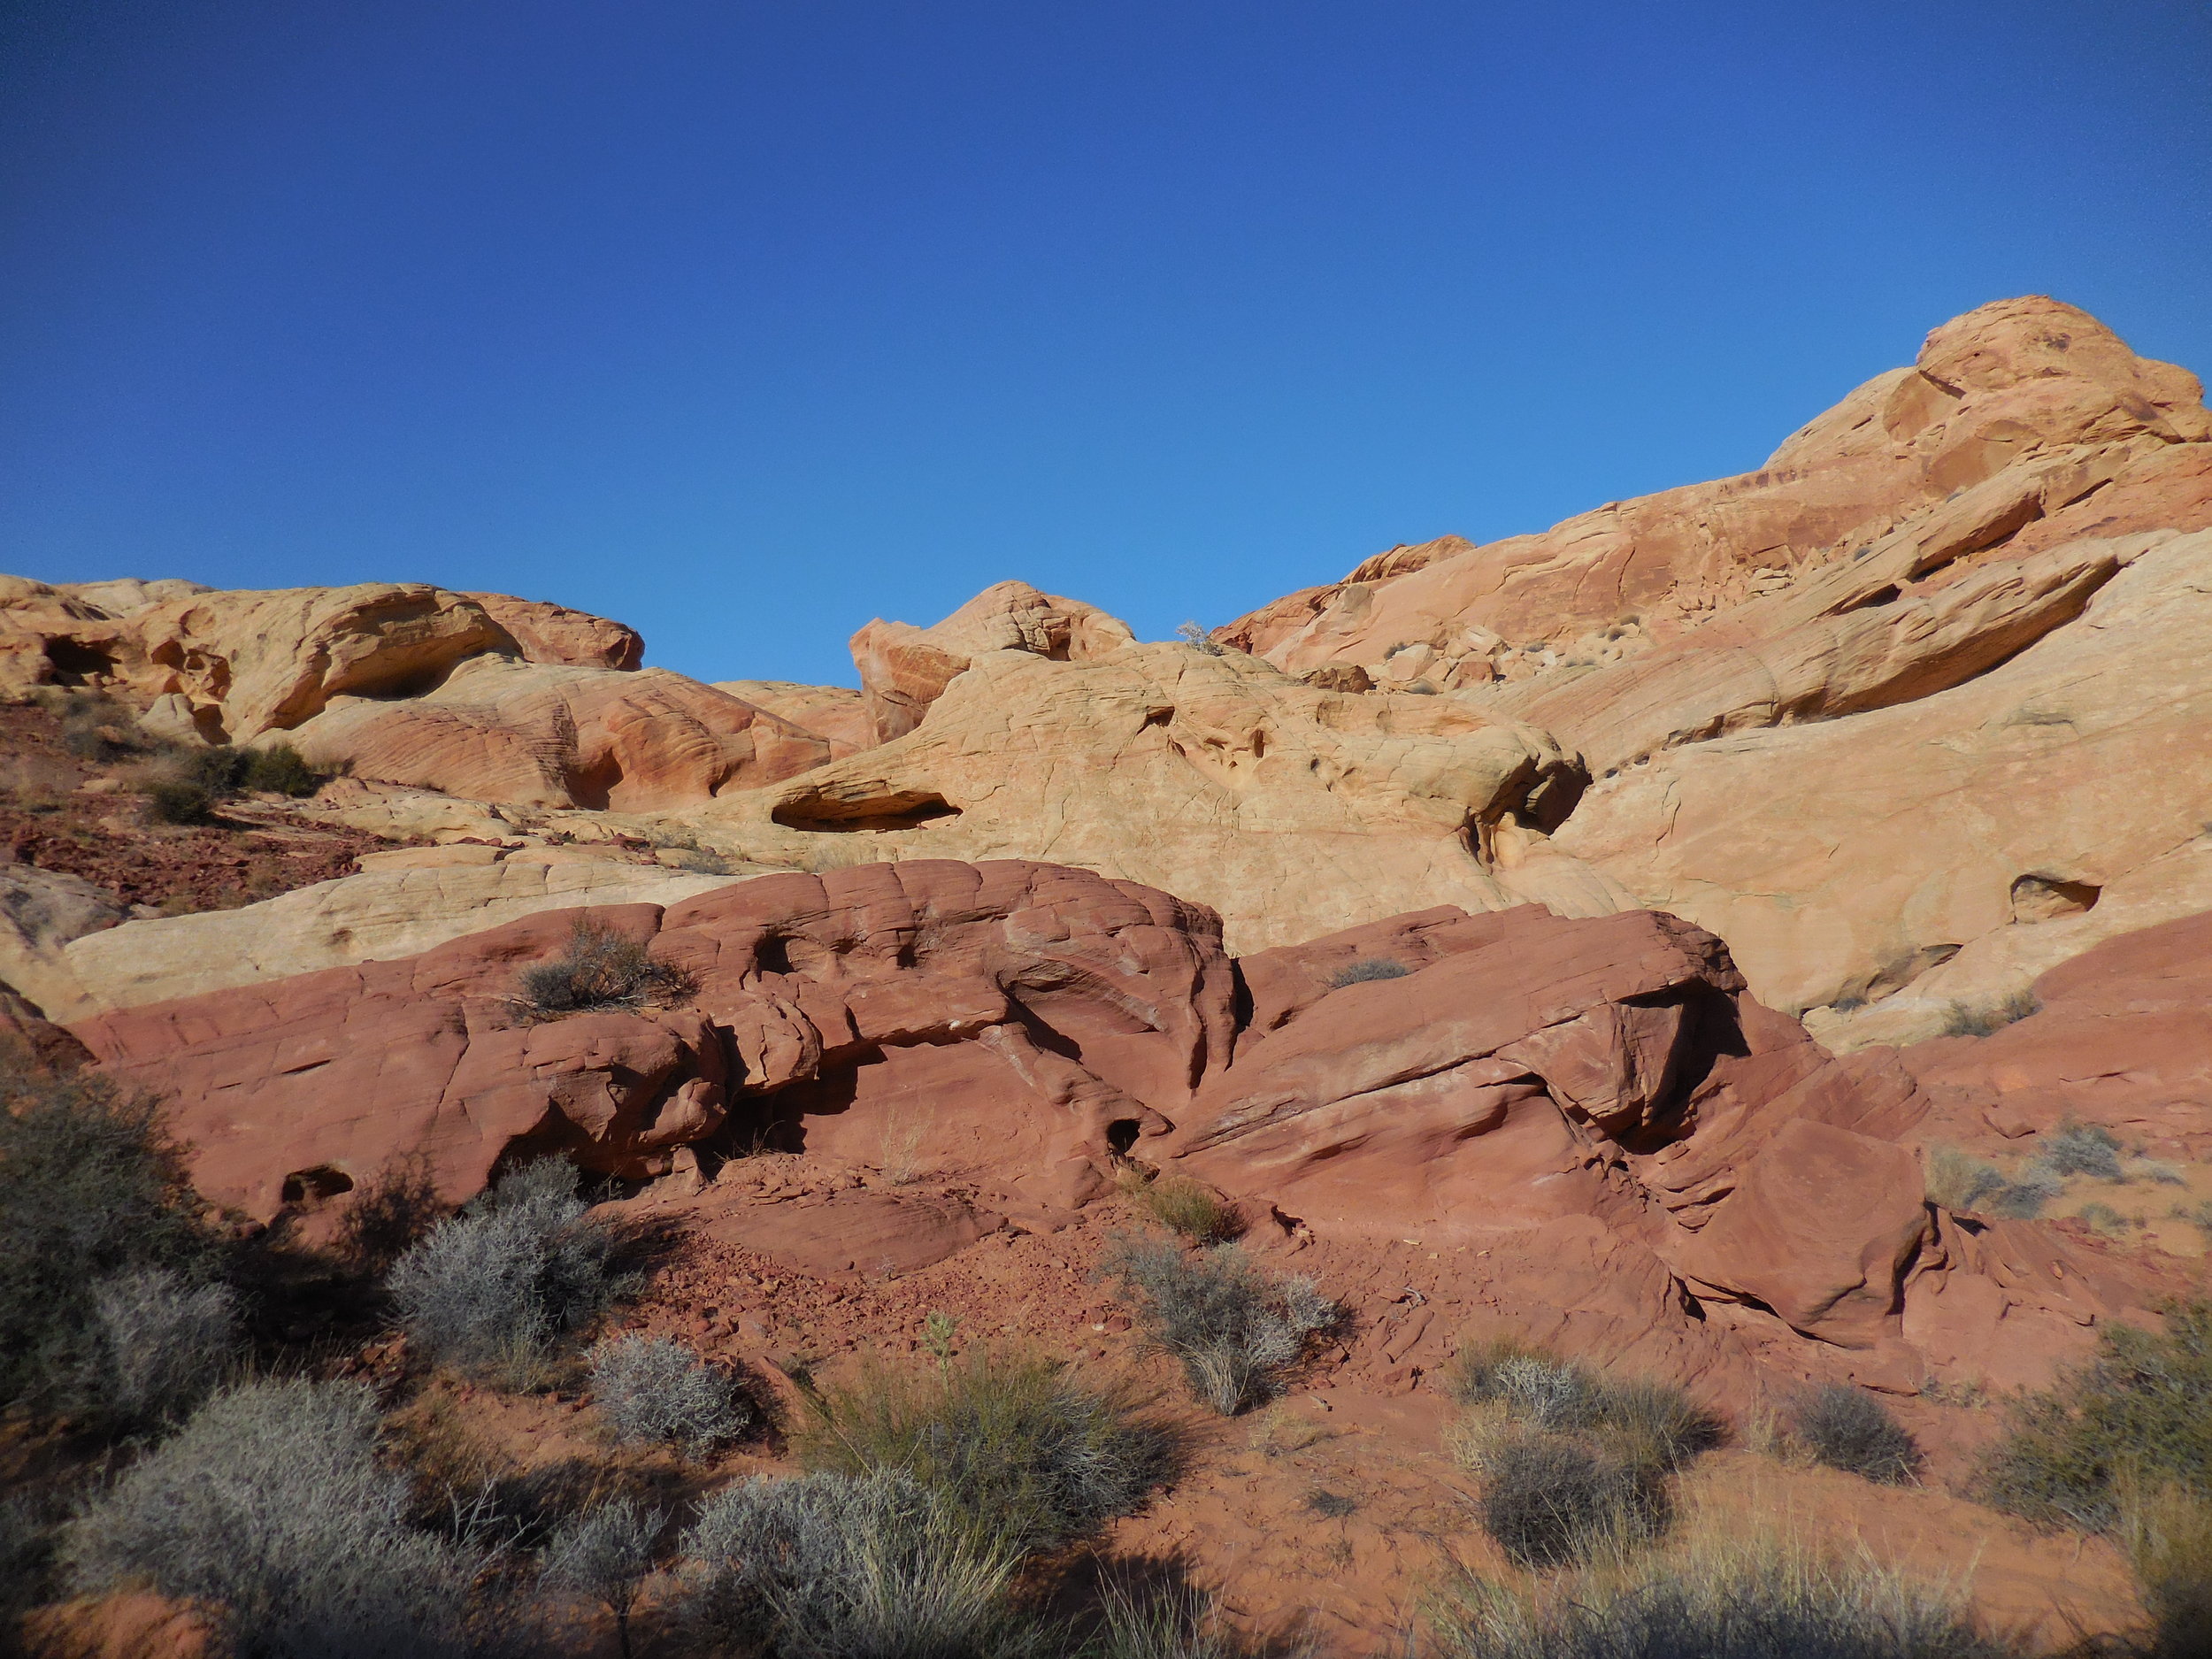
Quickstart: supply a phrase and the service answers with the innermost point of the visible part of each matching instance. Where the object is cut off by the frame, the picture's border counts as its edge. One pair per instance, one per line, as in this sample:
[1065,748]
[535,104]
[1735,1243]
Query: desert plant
[1847,1428]
[1198,639]
[2079,1148]
[604,1556]
[1647,1423]
[179,800]
[90,1185]
[1235,1330]
[2166,1531]
[162,1343]
[1957,1182]
[27,1537]
[491,1288]
[1964,1020]
[1178,1621]
[654,1388]
[279,769]
[2139,1410]
[1548,1499]
[599,969]
[2023,1200]
[1365,970]
[1021,1448]
[270,1509]
[1752,1601]
[1183,1205]
[832,1566]
[391,1213]
[96,728]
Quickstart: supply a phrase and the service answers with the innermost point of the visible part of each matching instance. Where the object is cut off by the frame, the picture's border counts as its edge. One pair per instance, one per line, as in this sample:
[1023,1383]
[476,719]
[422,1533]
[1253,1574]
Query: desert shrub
[279,769]
[1198,639]
[604,1556]
[98,728]
[1957,1182]
[2197,1215]
[834,1566]
[269,1507]
[1235,1330]
[1186,1205]
[1367,969]
[1645,1422]
[28,1536]
[2022,1200]
[1021,1448]
[91,1186]
[1177,1621]
[391,1213]
[1963,1020]
[1548,1499]
[179,800]
[1847,1428]
[2139,1411]
[162,1343]
[2077,1148]
[2167,1532]
[600,970]
[1752,1602]
[491,1288]
[652,1388]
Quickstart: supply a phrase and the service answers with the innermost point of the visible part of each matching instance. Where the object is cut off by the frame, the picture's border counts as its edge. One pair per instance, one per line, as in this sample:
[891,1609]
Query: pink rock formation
[545,633]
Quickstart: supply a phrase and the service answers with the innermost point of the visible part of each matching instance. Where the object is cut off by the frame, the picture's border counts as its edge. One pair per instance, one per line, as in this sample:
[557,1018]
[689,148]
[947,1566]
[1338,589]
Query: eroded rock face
[904,669]
[1286,807]
[1553,1090]
[544,735]
[546,632]
[934,1010]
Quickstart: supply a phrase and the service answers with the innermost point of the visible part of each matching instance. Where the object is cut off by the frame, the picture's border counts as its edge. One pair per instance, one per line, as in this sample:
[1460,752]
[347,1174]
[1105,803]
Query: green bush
[279,769]
[1236,1331]
[1022,1450]
[91,1186]
[1848,1429]
[600,970]
[2139,1412]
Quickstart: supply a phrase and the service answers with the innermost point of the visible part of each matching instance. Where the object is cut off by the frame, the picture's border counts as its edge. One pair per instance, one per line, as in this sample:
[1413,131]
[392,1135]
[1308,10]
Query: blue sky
[747,322]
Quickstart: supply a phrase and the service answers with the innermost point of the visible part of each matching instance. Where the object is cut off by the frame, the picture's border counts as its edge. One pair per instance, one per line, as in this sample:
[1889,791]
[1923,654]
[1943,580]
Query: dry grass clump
[1182,1205]
[875,1565]
[1847,1428]
[1572,1463]
[1712,1599]
[1365,970]
[161,1344]
[1965,1020]
[1236,1330]
[92,1188]
[1024,1451]
[600,970]
[490,1289]
[651,1388]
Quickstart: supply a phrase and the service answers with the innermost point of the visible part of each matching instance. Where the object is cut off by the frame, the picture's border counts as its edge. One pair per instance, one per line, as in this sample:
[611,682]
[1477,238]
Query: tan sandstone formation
[1286,807]
[497,730]
[835,712]
[903,669]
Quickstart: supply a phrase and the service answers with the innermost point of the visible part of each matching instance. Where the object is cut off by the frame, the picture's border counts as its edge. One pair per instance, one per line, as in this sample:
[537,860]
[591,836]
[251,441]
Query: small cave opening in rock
[822,812]
[2043,898]
[324,1180]
[1121,1136]
[75,662]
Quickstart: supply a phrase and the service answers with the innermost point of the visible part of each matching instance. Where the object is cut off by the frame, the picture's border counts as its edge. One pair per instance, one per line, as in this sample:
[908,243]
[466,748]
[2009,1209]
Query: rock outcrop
[1288,808]
[904,669]
[1507,1079]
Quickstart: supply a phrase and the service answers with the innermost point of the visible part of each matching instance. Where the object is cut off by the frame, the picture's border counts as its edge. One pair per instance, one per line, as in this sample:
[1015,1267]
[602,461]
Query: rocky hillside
[1753,936]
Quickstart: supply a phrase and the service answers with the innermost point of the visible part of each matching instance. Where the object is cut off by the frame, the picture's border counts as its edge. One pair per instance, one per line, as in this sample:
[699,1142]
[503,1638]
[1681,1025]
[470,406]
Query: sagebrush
[1236,1330]
[491,1289]
[654,1388]
[600,968]
[1847,1428]
[91,1186]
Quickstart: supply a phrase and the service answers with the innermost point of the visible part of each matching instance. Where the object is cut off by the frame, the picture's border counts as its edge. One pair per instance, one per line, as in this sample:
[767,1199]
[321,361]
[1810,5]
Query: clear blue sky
[745,322]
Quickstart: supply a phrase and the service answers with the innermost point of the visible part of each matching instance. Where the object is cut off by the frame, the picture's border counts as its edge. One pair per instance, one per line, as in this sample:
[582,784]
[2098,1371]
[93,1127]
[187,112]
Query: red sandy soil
[257,849]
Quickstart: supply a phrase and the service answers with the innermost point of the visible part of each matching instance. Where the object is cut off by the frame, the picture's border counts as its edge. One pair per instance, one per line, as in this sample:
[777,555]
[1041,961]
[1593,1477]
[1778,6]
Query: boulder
[904,669]
[42,912]
[539,734]
[547,633]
